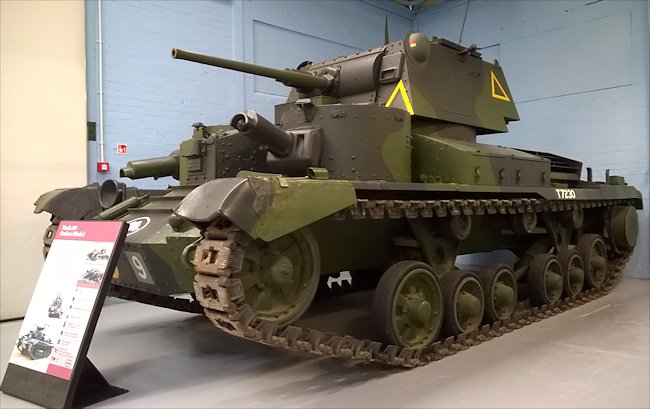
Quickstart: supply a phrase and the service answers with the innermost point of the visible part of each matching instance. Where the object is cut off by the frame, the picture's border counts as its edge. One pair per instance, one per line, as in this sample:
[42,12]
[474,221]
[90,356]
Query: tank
[371,168]
[96,255]
[56,308]
[92,275]
[35,344]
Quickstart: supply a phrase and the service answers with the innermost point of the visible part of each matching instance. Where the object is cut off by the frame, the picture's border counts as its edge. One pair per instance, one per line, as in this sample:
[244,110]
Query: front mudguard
[266,206]
[71,204]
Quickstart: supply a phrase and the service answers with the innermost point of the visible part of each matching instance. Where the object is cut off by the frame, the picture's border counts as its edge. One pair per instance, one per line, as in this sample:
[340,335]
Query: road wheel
[500,288]
[464,302]
[407,307]
[591,248]
[280,278]
[545,280]
[573,272]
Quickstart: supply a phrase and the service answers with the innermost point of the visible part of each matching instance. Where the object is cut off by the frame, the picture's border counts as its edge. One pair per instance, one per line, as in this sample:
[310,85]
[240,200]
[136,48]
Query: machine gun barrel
[262,131]
[292,78]
[121,208]
[157,167]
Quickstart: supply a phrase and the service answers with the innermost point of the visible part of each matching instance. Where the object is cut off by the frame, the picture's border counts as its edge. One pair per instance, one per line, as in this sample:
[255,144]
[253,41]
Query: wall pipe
[100,85]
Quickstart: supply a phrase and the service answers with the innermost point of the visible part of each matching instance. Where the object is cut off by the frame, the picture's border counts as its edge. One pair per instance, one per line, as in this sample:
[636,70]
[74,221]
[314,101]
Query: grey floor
[597,355]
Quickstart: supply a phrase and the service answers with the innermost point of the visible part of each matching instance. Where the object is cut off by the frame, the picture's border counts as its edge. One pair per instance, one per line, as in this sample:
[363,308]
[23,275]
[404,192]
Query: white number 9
[139,268]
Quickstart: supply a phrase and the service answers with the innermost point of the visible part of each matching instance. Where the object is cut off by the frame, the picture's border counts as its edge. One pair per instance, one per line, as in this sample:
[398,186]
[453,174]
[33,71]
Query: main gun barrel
[292,78]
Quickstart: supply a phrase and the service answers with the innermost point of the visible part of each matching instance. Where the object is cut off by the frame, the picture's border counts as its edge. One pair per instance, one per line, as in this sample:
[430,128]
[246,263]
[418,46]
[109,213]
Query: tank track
[218,288]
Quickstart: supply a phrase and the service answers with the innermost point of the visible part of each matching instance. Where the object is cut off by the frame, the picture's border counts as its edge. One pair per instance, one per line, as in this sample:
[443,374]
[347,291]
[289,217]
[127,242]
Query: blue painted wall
[151,100]
[578,71]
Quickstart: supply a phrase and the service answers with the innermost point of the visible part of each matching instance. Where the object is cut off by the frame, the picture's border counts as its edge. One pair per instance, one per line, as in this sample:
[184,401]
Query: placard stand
[49,365]
[93,387]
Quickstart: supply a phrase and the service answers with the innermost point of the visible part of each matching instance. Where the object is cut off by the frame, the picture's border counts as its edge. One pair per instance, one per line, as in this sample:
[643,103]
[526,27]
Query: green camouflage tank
[371,167]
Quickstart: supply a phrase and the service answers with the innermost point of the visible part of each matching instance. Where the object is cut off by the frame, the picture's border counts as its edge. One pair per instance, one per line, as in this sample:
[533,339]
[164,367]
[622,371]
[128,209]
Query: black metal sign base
[91,387]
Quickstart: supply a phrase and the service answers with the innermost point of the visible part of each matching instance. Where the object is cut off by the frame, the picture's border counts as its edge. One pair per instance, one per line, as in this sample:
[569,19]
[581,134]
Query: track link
[219,259]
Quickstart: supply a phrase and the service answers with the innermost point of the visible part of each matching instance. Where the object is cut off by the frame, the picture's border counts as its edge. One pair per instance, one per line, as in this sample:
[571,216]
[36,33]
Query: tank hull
[155,256]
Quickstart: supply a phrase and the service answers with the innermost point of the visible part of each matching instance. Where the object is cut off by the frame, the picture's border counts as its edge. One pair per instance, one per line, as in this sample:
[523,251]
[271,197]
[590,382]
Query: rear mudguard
[266,206]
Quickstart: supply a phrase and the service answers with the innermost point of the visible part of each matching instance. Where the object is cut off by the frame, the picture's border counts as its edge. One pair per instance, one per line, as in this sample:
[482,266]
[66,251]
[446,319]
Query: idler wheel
[407,307]
[500,288]
[545,282]
[280,278]
[591,248]
[464,302]
[573,272]
[623,228]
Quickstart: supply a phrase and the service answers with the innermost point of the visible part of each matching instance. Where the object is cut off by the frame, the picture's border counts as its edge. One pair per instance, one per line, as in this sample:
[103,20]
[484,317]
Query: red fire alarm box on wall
[102,167]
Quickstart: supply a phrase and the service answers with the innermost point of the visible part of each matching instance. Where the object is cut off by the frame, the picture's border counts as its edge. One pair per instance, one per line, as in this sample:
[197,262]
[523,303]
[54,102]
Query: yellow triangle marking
[502,95]
[402,91]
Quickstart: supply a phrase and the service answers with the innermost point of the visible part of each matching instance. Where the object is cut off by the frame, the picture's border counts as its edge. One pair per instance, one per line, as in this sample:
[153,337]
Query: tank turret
[446,87]
[436,96]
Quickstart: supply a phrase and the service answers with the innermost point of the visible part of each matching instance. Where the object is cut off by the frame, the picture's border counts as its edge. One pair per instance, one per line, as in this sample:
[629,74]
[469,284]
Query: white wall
[42,130]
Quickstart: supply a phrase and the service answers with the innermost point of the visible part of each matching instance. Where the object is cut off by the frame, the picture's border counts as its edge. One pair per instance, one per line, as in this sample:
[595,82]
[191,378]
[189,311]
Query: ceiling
[415,5]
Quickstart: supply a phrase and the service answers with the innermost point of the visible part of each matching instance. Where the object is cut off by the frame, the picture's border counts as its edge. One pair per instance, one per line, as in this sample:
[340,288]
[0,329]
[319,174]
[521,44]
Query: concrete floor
[597,355]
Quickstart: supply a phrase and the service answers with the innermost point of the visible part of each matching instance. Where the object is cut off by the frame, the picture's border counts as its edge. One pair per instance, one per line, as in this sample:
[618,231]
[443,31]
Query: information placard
[49,358]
